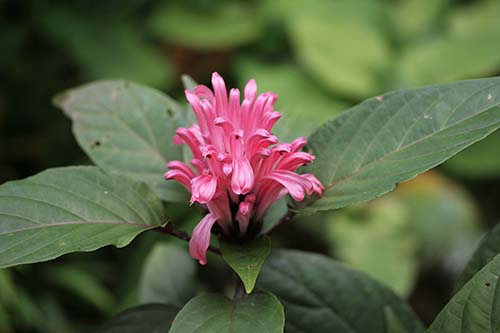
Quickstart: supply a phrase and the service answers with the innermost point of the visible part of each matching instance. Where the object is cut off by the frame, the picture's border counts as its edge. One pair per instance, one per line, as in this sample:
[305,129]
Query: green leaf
[83,284]
[127,128]
[332,42]
[444,218]
[473,17]
[488,249]
[378,239]
[366,151]
[414,18]
[434,61]
[106,48]
[169,276]
[274,215]
[149,318]
[476,307]
[246,259]
[479,161]
[298,95]
[258,312]
[207,28]
[321,295]
[72,209]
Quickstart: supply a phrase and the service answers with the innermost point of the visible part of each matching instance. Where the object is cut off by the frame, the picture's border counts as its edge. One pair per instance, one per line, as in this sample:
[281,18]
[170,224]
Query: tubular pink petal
[203,91]
[250,90]
[180,176]
[178,165]
[220,94]
[239,167]
[243,177]
[200,240]
[203,188]
[293,182]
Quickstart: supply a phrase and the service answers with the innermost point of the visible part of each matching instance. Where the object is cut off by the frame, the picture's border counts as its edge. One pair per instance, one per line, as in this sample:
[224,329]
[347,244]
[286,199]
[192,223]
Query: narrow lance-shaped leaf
[367,150]
[211,313]
[476,307]
[72,209]
[127,128]
[247,259]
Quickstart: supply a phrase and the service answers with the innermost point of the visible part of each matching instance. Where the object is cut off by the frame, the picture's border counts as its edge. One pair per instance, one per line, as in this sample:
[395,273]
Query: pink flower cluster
[239,167]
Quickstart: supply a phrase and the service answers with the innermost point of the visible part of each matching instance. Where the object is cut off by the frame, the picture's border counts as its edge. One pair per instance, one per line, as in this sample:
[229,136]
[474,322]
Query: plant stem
[169,230]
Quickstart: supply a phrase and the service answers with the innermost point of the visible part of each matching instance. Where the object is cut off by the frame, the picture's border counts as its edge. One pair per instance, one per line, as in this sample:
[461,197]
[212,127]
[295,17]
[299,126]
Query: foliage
[321,57]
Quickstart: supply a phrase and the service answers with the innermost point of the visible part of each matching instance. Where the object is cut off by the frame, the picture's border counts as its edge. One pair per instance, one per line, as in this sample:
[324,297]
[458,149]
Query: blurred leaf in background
[341,44]
[298,96]
[377,238]
[224,24]
[106,48]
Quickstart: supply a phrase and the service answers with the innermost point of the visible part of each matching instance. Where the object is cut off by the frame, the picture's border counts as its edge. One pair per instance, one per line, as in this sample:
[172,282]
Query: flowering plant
[246,183]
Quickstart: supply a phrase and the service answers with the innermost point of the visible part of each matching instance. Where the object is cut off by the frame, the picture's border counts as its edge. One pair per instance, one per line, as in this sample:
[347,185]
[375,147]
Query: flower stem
[169,230]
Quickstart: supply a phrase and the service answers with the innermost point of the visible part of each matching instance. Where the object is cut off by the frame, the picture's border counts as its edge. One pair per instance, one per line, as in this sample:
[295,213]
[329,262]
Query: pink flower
[239,168]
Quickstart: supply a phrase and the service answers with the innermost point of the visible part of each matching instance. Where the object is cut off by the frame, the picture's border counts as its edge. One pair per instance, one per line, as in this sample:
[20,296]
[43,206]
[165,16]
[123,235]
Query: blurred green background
[320,56]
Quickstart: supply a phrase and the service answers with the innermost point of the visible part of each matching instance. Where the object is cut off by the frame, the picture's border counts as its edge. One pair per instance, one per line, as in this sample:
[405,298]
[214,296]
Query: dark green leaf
[321,295]
[488,249]
[72,209]
[169,276]
[106,48]
[476,307]
[366,151]
[208,313]
[246,259]
[127,129]
[149,318]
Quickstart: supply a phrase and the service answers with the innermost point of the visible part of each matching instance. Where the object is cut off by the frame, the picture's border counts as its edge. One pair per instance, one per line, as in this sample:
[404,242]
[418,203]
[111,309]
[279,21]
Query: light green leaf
[367,150]
[169,276]
[208,313]
[298,96]
[321,295]
[414,18]
[246,259]
[72,209]
[444,218]
[479,161]
[488,249]
[435,61]
[148,318]
[473,17]
[476,307]
[333,41]
[106,48]
[127,129]
[377,239]
[207,28]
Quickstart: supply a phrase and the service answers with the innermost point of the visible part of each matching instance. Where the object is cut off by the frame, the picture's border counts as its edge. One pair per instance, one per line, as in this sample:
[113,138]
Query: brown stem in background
[169,230]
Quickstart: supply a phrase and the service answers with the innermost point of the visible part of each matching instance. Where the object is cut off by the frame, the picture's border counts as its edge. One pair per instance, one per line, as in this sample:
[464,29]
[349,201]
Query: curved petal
[200,240]
[203,188]
[242,179]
